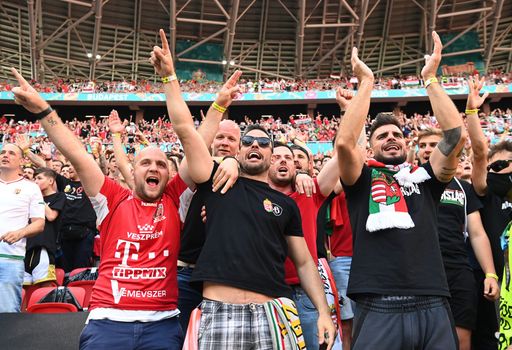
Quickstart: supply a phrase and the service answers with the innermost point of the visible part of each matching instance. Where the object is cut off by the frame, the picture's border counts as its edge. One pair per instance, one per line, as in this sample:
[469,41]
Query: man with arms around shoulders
[241,265]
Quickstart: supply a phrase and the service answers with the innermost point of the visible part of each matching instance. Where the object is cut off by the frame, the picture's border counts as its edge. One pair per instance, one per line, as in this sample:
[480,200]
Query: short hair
[384,119]
[50,173]
[503,146]
[430,132]
[300,148]
[252,127]
[280,144]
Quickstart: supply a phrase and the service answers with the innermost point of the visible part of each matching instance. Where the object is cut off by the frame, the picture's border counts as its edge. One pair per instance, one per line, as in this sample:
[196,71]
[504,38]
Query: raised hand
[360,69]
[27,96]
[114,123]
[432,61]
[474,98]
[161,57]
[343,97]
[23,141]
[229,90]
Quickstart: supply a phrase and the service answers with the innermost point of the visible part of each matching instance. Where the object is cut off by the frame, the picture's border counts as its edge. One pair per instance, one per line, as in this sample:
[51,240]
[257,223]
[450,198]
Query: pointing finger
[165,43]
[18,76]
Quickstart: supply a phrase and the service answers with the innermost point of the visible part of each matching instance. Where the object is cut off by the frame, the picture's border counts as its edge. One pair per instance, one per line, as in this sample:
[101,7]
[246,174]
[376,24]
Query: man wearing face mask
[491,181]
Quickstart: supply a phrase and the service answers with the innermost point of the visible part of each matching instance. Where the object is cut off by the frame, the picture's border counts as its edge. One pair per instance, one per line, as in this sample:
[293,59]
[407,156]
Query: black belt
[400,303]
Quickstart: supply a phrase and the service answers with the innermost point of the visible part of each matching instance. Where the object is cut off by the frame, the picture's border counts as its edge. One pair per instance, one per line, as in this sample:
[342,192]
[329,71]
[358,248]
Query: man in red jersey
[134,300]
[281,177]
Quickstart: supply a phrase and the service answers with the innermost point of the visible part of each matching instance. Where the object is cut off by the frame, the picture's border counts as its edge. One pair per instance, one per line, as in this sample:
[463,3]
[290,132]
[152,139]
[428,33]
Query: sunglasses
[263,142]
[499,165]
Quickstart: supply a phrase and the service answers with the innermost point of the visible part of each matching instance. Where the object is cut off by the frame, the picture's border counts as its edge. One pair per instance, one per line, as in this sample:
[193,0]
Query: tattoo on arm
[450,140]
[51,121]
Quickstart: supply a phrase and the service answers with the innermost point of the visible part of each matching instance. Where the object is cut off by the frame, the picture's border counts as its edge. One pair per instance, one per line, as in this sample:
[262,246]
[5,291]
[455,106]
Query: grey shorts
[403,322]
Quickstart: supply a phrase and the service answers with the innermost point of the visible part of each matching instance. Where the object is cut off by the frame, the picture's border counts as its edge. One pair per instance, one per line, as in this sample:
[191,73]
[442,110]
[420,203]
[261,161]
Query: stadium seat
[40,293]
[51,308]
[60,276]
[87,287]
[28,290]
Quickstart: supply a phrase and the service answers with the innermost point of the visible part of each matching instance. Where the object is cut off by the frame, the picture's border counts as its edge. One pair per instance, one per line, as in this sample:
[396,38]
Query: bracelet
[430,81]
[116,134]
[26,151]
[471,111]
[492,275]
[43,114]
[218,107]
[169,78]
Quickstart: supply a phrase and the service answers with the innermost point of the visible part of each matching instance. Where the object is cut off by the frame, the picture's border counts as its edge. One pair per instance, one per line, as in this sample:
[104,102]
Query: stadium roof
[265,38]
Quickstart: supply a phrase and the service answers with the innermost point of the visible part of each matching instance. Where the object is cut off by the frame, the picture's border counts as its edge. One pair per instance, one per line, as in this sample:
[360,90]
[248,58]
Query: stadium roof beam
[58,33]
[465,12]
[98,6]
[200,21]
[136,43]
[336,47]
[299,39]
[230,34]
[199,43]
[262,35]
[351,10]
[361,18]
[498,6]
[385,33]
[471,27]
[34,52]
[172,27]
[432,24]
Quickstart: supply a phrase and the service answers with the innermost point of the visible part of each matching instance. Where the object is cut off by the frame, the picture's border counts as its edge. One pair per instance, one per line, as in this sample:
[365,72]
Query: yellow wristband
[26,151]
[471,111]
[218,107]
[116,134]
[430,81]
[492,275]
[169,78]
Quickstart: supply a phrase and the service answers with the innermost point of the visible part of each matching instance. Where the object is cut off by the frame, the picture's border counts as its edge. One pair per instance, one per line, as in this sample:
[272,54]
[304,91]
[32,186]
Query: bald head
[150,151]
[10,158]
[227,139]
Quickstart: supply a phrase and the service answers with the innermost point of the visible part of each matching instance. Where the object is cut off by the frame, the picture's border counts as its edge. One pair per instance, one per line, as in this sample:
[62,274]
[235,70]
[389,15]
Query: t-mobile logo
[126,251]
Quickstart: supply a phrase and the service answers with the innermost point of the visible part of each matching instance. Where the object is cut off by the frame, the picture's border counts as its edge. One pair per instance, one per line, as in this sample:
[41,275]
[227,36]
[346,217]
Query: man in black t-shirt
[78,226]
[397,276]
[459,217]
[41,249]
[249,232]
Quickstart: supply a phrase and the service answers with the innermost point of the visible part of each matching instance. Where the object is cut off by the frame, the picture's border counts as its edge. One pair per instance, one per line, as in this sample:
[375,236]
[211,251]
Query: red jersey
[340,242]
[139,244]
[308,207]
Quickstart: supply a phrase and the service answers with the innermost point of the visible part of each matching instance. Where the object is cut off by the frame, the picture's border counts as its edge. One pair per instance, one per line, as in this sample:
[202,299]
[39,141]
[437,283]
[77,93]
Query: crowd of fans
[247,86]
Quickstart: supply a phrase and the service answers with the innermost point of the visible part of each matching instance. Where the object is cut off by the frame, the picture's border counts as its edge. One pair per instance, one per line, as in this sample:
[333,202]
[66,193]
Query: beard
[280,181]
[254,169]
[397,160]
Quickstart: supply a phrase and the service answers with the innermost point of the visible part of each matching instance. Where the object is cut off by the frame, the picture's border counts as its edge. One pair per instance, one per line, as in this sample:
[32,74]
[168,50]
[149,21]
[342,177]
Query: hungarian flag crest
[387,207]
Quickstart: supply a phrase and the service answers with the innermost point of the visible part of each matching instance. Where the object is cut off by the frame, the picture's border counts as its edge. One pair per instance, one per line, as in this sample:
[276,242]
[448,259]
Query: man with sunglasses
[249,231]
[491,181]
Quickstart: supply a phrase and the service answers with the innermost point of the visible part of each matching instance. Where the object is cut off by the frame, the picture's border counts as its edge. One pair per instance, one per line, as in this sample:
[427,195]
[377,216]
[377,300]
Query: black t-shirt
[451,222]
[397,261]
[79,210]
[48,237]
[496,214]
[321,223]
[193,231]
[245,244]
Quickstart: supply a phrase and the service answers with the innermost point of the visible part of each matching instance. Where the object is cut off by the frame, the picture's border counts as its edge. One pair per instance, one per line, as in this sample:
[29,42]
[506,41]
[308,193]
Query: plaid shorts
[233,326]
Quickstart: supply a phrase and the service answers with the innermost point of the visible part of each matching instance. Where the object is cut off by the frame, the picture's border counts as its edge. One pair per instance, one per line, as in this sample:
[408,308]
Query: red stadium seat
[37,295]
[87,287]
[51,308]
[60,276]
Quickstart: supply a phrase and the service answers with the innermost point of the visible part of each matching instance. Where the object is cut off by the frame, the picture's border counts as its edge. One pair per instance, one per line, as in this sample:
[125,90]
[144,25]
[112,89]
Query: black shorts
[464,300]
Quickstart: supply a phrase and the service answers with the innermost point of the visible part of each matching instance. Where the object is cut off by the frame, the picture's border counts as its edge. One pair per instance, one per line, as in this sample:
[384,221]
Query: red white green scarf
[388,208]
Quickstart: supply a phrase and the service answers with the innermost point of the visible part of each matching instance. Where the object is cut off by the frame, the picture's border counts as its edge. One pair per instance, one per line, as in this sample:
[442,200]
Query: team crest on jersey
[272,207]
[67,189]
[159,215]
[17,190]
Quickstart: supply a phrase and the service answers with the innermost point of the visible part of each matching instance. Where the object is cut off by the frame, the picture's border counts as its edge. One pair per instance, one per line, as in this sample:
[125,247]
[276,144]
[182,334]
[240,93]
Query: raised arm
[199,160]
[444,158]
[350,158]
[476,135]
[68,144]
[24,143]
[117,130]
